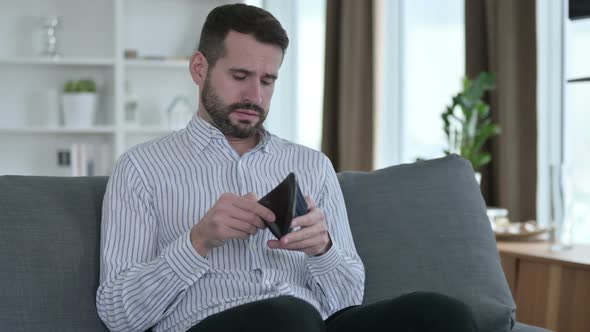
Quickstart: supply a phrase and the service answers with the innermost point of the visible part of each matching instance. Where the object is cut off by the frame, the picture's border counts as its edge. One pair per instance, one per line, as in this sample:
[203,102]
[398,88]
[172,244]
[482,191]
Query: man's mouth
[246,111]
[246,115]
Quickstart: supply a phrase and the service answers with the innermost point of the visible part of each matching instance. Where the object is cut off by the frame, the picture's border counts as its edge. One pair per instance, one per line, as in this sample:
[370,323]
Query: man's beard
[219,114]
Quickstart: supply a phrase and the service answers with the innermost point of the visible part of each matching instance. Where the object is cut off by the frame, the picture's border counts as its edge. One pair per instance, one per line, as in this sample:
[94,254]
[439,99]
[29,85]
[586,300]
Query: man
[184,243]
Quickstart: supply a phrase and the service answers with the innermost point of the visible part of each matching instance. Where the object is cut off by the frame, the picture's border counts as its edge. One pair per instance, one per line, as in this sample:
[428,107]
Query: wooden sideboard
[551,289]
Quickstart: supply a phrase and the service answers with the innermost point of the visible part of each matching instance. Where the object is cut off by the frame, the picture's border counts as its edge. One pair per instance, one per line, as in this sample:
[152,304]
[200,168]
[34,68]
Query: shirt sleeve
[337,277]
[139,284]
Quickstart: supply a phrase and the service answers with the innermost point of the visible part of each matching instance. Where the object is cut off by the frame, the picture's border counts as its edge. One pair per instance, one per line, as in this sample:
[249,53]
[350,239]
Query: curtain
[347,135]
[500,37]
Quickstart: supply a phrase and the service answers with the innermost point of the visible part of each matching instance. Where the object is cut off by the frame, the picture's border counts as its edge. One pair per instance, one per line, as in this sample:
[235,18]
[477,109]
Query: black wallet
[287,202]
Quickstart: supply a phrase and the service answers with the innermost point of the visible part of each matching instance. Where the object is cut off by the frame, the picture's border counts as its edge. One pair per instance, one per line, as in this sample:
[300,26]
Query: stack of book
[90,159]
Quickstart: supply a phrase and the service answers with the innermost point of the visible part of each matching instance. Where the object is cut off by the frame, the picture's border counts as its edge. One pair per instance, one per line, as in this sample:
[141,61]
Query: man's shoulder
[285,146]
[301,156]
[156,148]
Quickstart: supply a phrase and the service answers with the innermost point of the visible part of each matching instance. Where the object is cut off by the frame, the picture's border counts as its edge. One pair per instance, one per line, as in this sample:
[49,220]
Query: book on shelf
[90,159]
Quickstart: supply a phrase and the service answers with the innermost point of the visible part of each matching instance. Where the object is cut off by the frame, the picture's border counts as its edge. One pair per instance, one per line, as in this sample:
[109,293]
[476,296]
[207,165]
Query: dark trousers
[413,312]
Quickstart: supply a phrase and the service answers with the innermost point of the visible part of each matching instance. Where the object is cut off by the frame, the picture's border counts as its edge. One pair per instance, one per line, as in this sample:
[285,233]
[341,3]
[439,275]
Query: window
[311,38]
[563,190]
[424,64]
[296,110]
[576,136]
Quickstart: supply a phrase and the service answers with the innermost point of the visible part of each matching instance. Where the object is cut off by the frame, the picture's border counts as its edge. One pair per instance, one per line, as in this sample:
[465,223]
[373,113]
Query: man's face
[238,89]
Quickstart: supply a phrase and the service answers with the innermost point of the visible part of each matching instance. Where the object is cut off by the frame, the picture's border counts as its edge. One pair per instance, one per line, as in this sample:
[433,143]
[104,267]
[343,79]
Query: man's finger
[247,216]
[303,245]
[233,233]
[241,226]
[274,244]
[300,235]
[299,246]
[255,207]
[309,219]
[250,196]
[310,202]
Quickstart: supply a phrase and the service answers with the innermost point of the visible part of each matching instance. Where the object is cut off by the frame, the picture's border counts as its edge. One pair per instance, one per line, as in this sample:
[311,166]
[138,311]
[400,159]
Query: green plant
[84,85]
[467,122]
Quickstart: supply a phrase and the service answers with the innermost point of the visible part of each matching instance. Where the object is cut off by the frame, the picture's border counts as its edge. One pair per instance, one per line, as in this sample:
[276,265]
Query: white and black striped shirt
[150,273]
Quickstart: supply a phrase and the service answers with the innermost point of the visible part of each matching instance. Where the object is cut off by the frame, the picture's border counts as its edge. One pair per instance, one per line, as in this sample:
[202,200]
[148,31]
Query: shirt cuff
[184,260]
[326,262]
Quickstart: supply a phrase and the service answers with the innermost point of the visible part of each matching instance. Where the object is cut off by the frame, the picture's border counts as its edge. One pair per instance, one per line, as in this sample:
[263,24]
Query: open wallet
[287,202]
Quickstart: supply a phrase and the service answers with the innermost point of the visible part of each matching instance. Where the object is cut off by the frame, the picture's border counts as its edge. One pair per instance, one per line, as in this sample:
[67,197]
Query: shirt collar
[202,133]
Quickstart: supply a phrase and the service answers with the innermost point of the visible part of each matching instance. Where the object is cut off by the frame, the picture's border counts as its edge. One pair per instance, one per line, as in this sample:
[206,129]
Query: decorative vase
[179,112]
[79,109]
[561,222]
[131,110]
[50,27]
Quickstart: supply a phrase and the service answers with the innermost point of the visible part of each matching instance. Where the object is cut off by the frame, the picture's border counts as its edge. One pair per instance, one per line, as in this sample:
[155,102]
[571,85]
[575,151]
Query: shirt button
[253,246]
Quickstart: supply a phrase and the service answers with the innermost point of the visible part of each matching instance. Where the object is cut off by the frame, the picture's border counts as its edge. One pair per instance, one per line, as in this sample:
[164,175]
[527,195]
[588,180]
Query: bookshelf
[71,61]
[92,38]
[57,130]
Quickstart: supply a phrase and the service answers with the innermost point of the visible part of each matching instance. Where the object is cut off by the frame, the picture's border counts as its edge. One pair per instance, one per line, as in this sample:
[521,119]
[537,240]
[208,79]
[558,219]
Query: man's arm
[335,272]
[139,285]
[337,276]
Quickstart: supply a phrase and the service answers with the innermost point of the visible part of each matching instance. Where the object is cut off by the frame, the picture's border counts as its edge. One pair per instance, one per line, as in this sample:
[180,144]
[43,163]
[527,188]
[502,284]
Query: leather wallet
[287,202]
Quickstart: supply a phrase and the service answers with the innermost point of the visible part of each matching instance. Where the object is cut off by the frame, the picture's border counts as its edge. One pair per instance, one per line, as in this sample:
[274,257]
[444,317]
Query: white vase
[478,177]
[79,109]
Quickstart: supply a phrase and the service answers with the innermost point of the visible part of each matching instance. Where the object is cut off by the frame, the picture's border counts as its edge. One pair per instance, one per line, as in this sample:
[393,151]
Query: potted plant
[467,123]
[79,103]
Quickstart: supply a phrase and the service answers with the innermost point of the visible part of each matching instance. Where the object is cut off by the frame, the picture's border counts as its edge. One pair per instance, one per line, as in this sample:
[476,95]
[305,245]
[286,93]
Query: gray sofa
[419,226]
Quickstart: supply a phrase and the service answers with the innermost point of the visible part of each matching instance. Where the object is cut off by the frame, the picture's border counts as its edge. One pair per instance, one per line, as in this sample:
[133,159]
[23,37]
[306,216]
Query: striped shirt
[150,273]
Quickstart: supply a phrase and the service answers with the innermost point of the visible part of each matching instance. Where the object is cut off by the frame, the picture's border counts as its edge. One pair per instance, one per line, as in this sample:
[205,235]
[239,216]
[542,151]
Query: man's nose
[253,93]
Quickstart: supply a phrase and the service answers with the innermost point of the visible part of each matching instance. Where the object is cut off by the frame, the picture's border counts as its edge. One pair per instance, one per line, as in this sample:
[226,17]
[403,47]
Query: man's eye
[266,82]
[239,78]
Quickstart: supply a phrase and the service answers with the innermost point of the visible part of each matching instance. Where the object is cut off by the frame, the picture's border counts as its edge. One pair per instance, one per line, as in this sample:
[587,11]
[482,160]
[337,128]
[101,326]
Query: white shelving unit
[72,61]
[182,64]
[57,130]
[92,39]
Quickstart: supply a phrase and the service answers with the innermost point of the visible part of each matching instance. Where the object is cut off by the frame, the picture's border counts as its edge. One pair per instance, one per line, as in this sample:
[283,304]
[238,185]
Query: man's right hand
[231,217]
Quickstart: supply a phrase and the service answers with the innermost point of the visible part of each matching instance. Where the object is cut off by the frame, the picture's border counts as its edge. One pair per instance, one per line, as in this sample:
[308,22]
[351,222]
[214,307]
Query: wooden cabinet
[551,289]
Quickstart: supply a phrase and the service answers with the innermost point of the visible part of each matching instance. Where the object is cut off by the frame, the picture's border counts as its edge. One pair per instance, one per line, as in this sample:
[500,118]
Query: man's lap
[419,311]
[284,313]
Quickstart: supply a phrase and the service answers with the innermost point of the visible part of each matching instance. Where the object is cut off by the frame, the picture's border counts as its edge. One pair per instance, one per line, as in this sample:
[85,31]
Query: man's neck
[240,145]
[243,145]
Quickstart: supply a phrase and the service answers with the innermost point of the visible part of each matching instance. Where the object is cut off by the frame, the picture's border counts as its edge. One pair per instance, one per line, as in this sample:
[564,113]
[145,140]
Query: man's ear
[198,67]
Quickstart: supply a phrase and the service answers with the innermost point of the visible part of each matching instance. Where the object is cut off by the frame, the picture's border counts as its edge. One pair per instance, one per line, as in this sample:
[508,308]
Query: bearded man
[184,244]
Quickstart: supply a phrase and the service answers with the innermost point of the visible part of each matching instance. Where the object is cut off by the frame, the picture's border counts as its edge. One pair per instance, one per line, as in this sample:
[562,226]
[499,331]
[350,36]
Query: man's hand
[312,239]
[231,217]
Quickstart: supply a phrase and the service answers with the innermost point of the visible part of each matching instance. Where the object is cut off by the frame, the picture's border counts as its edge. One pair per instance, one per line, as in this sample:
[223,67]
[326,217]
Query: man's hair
[243,19]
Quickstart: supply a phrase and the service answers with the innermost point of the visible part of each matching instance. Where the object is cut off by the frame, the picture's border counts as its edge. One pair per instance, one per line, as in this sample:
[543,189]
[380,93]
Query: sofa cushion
[520,327]
[423,226]
[49,240]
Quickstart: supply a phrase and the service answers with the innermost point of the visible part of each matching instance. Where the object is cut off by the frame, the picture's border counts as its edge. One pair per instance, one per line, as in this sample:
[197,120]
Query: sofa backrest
[49,253]
[417,227]
[423,227]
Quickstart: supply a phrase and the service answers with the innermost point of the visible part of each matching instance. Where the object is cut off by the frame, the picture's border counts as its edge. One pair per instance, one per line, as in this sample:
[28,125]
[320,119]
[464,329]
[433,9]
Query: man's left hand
[312,238]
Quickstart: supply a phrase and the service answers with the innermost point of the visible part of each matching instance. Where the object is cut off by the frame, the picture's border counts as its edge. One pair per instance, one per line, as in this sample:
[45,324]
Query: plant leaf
[480,160]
